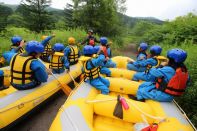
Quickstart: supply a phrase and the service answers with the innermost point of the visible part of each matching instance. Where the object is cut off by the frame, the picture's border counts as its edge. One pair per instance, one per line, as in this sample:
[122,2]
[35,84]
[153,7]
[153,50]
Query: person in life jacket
[90,38]
[57,59]
[103,50]
[141,55]
[17,44]
[91,69]
[110,63]
[151,61]
[26,71]
[71,52]
[154,61]
[170,80]
[47,47]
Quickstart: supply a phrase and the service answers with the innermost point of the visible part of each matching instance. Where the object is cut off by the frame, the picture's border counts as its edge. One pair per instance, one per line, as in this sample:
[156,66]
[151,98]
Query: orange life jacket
[177,84]
[104,49]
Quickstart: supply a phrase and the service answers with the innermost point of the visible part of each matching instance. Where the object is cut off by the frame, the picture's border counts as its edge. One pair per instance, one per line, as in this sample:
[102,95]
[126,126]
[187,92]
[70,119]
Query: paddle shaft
[66,89]
[75,83]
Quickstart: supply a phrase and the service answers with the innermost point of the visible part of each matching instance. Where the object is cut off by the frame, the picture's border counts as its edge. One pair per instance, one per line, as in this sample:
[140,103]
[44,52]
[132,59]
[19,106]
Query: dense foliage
[100,16]
[182,29]
[35,15]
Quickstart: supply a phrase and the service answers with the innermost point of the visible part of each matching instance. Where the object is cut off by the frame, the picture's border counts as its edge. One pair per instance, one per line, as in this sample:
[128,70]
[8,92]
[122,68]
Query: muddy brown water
[41,119]
[129,50]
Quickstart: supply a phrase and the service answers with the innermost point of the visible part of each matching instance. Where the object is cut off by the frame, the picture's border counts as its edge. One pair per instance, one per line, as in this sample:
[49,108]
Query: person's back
[91,68]
[141,56]
[149,63]
[161,88]
[26,71]
[146,64]
[71,53]
[57,59]
[103,50]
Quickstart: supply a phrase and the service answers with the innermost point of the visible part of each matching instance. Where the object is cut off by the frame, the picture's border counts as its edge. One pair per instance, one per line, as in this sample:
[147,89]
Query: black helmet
[91,31]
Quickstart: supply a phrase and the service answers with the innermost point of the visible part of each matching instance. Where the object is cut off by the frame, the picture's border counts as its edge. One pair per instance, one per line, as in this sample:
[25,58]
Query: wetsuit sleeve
[1,73]
[39,71]
[145,62]
[45,41]
[8,56]
[65,62]
[79,53]
[109,52]
[67,51]
[165,72]
[141,57]
[98,61]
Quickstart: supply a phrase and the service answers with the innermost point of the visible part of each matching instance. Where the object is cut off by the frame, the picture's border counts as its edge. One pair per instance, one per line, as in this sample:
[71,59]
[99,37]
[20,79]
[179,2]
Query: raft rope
[161,119]
[184,114]
[64,88]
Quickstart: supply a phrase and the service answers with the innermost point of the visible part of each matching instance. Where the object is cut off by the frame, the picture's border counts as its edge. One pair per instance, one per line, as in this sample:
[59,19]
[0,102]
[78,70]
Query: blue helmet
[58,47]
[143,46]
[34,46]
[155,50]
[16,39]
[96,49]
[88,50]
[178,55]
[103,40]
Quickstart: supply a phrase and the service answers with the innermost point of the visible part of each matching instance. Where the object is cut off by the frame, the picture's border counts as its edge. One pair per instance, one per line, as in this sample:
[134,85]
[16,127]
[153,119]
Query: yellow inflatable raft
[121,70]
[88,110]
[14,103]
[121,61]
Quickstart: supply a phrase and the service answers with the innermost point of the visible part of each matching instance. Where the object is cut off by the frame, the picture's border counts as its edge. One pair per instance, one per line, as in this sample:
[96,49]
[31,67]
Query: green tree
[35,15]
[99,15]
[4,13]
[69,19]
[16,20]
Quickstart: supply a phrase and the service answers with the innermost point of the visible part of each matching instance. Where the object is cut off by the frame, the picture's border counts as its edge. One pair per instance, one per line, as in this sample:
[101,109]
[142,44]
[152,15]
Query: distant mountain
[13,7]
[131,21]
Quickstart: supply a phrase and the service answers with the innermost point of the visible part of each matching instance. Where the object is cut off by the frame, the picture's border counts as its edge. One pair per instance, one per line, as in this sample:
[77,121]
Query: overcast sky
[162,9]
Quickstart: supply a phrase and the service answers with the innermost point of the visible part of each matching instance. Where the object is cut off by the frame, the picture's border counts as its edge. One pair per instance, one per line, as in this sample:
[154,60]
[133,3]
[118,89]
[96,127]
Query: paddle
[75,83]
[66,89]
